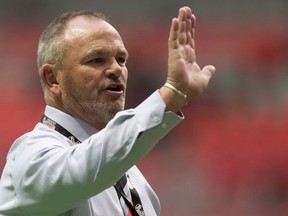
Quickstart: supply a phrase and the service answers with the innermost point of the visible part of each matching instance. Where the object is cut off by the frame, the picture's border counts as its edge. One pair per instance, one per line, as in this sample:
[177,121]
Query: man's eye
[96,60]
[121,60]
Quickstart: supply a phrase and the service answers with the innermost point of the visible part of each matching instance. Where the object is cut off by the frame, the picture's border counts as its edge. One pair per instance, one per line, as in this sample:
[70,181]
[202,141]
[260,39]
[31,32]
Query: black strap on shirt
[55,126]
[135,207]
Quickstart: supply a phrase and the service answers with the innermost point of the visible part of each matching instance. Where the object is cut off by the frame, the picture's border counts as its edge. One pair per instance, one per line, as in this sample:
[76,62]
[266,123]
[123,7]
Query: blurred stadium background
[229,157]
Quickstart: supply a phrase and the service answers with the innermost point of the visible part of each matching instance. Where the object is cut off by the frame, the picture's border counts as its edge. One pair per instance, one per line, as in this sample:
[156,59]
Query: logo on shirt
[73,139]
[49,123]
[139,210]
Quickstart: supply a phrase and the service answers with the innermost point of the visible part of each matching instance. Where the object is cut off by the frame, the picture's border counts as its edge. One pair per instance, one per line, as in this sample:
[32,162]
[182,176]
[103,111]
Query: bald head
[50,47]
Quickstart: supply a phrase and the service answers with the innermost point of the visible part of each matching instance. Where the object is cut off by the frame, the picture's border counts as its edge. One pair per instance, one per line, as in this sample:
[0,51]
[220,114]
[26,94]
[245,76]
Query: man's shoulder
[39,137]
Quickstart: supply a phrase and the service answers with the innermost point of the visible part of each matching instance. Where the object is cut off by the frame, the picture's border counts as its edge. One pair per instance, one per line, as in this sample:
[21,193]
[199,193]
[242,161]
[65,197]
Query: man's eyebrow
[96,52]
[105,52]
[123,53]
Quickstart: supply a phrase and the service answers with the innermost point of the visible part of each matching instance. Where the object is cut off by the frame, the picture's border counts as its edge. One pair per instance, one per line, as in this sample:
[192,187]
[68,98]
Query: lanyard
[53,125]
[136,208]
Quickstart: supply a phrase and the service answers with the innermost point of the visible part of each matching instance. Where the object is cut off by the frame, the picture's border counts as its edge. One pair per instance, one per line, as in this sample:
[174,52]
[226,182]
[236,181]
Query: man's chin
[117,105]
[112,108]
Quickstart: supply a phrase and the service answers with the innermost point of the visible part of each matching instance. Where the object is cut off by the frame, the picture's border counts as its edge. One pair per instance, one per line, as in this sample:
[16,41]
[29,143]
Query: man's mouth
[115,88]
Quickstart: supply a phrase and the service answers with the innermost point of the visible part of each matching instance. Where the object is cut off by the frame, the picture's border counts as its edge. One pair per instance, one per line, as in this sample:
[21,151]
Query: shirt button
[130,111]
[164,125]
[155,118]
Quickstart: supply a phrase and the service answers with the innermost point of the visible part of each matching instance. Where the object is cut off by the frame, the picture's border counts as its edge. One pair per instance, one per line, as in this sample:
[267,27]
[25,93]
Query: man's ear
[48,74]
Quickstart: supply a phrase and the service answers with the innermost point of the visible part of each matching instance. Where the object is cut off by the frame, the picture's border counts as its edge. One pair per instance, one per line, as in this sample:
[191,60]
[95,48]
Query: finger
[182,14]
[193,18]
[193,25]
[189,30]
[182,17]
[188,9]
[190,22]
[173,35]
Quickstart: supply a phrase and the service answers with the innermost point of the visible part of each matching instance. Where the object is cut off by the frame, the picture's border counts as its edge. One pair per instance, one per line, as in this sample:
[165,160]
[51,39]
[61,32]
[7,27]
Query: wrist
[175,90]
[172,97]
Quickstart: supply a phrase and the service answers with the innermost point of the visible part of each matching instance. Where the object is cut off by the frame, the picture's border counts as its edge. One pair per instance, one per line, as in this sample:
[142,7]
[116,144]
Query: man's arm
[184,74]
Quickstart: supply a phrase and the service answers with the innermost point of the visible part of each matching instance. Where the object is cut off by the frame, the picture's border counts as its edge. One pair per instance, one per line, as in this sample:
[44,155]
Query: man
[80,160]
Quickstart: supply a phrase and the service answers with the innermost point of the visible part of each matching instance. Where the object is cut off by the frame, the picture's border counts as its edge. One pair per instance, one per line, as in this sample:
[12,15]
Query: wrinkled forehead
[86,35]
[86,25]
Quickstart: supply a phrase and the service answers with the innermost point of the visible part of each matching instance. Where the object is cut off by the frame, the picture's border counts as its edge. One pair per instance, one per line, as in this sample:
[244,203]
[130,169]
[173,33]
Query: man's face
[93,77]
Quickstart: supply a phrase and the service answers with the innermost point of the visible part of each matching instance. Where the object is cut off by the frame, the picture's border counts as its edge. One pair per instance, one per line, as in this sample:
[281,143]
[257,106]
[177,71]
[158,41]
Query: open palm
[183,71]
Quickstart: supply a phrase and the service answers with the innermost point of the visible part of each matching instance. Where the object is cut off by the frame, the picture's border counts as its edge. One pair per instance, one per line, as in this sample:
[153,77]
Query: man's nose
[114,70]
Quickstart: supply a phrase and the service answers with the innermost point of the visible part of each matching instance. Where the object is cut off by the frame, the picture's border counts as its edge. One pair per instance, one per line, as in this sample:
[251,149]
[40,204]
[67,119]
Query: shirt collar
[75,126]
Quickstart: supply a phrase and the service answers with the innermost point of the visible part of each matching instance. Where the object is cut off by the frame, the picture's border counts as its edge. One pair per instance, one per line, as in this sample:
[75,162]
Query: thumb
[209,70]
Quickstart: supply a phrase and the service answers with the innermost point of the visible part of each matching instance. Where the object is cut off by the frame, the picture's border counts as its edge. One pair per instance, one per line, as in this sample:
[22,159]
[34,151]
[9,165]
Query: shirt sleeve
[49,176]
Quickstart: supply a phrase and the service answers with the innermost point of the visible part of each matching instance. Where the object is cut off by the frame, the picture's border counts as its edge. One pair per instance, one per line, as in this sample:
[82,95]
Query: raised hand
[183,71]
